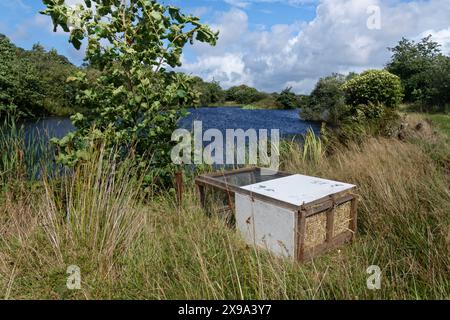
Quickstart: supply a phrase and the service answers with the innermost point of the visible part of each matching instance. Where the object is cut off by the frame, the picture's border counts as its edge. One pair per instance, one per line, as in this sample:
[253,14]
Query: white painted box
[291,215]
[269,223]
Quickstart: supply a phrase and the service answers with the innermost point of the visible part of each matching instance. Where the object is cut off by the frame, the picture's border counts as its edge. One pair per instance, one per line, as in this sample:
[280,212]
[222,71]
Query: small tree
[411,61]
[210,92]
[135,102]
[21,86]
[424,72]
[244,94]
[376,87]
[327,100]
[288,99]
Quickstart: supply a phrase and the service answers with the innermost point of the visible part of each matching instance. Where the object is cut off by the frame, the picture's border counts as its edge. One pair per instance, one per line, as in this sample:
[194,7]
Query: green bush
[33,82]
[288,99]
[327,100]
[210,92]
[244,94]
[374,86]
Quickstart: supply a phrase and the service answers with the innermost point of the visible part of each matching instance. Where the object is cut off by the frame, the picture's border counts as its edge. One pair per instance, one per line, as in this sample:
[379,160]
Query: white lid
[298,189]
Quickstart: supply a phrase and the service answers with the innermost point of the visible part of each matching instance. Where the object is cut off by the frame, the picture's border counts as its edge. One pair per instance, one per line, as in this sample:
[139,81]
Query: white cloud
[238,3]
[247,3]
[336,40]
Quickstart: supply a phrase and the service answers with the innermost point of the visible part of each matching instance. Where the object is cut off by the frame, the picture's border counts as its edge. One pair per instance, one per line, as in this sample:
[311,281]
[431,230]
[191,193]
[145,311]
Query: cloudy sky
[271,44]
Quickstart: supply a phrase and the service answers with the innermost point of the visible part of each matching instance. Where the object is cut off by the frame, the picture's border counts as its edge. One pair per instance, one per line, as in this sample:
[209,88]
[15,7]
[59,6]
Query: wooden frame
[332,241]
[323,205]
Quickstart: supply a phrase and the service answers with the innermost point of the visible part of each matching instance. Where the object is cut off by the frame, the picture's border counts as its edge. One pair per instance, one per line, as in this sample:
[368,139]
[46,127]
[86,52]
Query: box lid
[298,189]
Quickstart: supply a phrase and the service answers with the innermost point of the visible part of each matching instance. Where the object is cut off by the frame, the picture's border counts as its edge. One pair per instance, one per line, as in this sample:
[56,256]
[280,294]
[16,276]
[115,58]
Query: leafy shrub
[327,100]
[269,102]
[412,61]
[33,82]
[376,87]
[288,99]
[244,94]
[210,92]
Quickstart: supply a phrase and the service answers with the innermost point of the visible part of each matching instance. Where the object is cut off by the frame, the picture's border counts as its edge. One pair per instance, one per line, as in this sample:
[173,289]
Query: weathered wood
[201,192]
[301,235]
[354,216]
[330,224]
[326,246]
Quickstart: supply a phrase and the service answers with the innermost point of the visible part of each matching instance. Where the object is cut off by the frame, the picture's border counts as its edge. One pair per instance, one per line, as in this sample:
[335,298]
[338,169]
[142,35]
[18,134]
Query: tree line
[33,82]
[417,76]
[213,94]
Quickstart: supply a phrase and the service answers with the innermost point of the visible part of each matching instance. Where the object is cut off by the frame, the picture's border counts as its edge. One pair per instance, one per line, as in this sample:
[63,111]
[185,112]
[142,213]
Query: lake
[222,118]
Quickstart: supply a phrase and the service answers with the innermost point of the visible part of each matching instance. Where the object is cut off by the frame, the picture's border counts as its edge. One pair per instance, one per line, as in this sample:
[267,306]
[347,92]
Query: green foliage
[20,84]
[327,100]
[22,156]
[54,69]
[356,105]
[270,102]
[33,83]
[244,94]
[210,92]
[313,150]
[376,87]
[424,71]
[288,99]
[134,103]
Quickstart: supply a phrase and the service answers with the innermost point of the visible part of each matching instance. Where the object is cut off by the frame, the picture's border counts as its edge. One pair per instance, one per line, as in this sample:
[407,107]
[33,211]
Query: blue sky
[20,19]
[271,44]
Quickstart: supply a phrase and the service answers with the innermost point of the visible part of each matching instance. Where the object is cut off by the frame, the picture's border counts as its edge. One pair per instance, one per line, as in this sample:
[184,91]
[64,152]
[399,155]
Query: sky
[271,44]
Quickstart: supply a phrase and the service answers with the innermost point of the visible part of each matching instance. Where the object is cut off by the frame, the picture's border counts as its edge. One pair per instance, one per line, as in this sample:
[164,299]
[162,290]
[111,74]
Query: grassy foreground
[135,248]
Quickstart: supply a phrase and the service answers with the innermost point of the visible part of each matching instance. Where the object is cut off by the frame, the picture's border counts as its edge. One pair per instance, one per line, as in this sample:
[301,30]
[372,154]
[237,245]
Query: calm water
[47,128]
[222,118]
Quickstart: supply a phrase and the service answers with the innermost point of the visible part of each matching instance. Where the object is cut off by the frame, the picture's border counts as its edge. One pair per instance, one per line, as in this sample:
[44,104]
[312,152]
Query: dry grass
[130,248]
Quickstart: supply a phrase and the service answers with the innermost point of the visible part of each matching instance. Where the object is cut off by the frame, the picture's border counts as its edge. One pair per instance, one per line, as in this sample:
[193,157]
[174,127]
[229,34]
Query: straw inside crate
[316,229]
[342,218]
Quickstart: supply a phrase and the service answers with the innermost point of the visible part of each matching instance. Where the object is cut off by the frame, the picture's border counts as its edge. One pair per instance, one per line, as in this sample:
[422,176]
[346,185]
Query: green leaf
[156,15]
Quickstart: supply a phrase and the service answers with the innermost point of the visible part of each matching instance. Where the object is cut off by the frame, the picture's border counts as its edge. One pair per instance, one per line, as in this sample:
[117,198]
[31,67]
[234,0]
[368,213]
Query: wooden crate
[291,215]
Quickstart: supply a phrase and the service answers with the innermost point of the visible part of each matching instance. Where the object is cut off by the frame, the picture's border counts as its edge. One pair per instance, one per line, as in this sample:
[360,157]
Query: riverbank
[130,246]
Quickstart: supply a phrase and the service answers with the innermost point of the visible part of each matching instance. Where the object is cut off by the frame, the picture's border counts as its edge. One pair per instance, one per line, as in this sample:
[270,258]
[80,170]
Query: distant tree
[244,94]
[54,69]
[350,76]
[288,99]
[210,92]
[327,101]
[33,82]
[21,87]
[423,70]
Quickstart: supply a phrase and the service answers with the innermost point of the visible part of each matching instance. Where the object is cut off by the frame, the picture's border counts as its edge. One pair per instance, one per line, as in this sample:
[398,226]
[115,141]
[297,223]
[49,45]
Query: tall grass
[129,247]
[22,155]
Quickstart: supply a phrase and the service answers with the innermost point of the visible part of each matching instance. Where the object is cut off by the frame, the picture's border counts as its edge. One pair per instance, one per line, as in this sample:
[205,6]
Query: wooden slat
[301,235]
[354,215]
[335,243]
[330,224]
